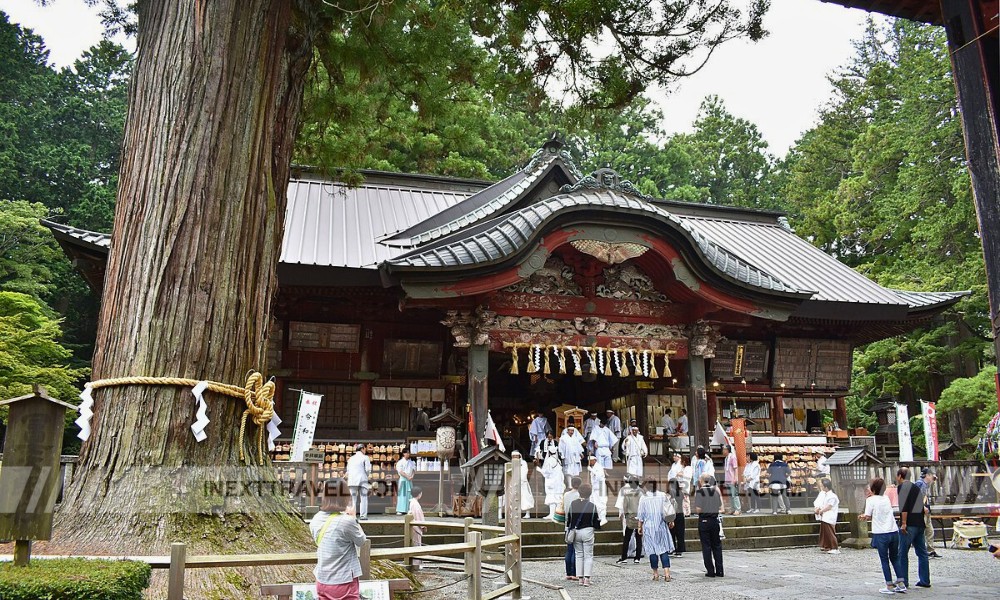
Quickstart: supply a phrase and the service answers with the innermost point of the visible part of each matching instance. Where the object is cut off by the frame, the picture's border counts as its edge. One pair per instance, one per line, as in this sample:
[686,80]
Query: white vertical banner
[903,428]
[305,424]
[930,429]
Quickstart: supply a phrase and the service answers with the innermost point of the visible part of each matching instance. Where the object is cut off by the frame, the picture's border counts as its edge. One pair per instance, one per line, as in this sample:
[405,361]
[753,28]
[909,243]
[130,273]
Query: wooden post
[366,560]
[474,566]
[479,369]
[22,553]
[970,47]
[512,526]
[468,523]
[697,401]
[408,538]
[175,577]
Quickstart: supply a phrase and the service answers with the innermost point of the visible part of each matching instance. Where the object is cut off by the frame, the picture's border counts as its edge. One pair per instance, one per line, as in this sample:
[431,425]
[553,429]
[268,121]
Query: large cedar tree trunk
[213,112]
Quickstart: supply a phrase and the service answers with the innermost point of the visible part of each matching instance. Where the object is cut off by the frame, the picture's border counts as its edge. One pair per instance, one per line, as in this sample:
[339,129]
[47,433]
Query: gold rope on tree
[260,407]
[258,397]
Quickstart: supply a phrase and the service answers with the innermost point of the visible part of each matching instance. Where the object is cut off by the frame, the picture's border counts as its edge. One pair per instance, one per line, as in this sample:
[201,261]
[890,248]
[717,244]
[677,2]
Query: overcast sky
[778,83]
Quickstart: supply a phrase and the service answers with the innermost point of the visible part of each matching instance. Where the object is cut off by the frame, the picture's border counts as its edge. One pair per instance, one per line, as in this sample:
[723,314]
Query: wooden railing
[471,549]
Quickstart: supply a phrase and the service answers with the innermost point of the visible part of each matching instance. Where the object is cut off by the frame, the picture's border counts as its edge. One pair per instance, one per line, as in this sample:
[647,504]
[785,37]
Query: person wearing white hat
[604,442]
[635,450]
[571,449]
[598,481]
[555,484]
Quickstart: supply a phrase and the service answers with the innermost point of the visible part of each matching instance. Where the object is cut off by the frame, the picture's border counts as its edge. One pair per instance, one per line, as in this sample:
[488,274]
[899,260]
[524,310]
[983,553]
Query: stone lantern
[850,469]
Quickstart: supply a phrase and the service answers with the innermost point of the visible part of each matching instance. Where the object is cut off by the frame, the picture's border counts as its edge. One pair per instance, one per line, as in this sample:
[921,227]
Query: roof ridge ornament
[608,179]
[554,148]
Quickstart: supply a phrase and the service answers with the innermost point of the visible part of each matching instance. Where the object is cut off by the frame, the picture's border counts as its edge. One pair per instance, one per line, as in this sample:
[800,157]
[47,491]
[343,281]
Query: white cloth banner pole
[930,429]
[305,424]
[903,428]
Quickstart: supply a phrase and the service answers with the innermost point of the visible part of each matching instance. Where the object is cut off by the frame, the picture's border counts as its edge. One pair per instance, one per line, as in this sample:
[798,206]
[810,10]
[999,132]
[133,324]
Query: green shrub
[74,579]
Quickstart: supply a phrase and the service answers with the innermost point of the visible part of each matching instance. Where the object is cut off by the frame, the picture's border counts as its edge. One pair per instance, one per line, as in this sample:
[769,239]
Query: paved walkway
[765,574]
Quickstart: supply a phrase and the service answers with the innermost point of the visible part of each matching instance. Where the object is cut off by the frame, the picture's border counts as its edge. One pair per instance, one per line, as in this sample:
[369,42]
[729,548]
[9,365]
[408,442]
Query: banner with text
[903,428]
[305,424]
[930,429]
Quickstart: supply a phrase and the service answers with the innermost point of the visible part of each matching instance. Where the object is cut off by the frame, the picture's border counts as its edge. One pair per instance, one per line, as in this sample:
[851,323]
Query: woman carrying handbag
[581,522]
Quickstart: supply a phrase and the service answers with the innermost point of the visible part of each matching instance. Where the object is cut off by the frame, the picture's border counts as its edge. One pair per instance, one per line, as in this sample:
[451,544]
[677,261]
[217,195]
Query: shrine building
[551,289]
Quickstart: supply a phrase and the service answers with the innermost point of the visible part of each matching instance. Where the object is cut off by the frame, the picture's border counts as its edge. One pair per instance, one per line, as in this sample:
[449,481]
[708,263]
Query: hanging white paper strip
[272,431]
[201,413]
[83,421]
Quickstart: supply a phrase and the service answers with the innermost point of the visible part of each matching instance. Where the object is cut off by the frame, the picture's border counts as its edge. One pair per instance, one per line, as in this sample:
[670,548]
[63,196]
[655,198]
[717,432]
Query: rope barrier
[434,589]
[256,393]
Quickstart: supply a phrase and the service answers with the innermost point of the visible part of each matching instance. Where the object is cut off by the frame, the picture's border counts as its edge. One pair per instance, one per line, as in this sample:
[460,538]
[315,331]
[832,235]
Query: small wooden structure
[849,471]
[487,469]
[30,478]
[568,412]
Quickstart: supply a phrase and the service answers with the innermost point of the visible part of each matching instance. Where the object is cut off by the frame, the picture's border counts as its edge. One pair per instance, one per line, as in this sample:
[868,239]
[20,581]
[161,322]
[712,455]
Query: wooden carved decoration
[607,179]
[555,279]
[703,338]
[590,326]
[609,252]
[627,282]
[470,328]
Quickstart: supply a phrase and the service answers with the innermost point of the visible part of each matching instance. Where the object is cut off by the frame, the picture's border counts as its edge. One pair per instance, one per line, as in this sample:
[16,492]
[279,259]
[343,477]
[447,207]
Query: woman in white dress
[555,485]
[656,516]
[751,480]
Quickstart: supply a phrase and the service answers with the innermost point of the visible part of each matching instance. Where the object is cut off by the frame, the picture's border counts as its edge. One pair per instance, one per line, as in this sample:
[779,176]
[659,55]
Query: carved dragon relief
[553,279]
[627,282]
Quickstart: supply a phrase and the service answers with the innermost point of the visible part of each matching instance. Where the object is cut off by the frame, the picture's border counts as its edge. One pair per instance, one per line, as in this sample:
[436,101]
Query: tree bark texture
[213,112]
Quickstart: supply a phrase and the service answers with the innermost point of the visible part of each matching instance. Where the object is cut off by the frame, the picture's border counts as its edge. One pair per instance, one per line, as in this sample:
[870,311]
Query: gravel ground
[771,574]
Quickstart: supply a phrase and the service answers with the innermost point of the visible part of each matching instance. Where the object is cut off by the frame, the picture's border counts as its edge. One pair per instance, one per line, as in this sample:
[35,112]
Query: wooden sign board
[313,456]
[30,478]
[644,385]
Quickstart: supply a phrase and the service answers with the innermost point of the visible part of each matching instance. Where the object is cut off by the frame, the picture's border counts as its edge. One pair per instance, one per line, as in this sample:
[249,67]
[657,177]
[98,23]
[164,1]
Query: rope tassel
[652,366]
[547,370]
[607,362]
[513,357]
[666,365]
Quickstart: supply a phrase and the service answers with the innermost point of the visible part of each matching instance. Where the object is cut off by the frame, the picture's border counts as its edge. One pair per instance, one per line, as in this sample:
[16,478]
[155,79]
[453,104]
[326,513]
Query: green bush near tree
[75,579]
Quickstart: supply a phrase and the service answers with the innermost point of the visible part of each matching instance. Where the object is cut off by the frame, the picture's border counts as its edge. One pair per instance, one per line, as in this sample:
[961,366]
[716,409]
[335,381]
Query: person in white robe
[571,450]
[635,450]
[555,483]
[615,425]
[417,533]
[590,425]
[536,432]
[598,481]
[527,499]
[604,442]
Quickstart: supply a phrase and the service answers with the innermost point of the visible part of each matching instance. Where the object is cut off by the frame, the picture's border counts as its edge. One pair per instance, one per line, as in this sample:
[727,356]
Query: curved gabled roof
[488,202]
[504,237]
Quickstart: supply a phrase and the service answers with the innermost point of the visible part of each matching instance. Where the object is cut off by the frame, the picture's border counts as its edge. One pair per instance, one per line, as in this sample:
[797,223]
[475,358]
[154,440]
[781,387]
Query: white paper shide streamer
[86,412]
[201,412]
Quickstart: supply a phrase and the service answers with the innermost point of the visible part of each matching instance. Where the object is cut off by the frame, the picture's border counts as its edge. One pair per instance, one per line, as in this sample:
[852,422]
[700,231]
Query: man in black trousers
[708,505]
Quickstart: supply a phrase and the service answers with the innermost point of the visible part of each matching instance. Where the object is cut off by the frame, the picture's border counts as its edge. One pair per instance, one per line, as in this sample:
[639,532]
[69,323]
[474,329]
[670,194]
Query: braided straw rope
[258,395]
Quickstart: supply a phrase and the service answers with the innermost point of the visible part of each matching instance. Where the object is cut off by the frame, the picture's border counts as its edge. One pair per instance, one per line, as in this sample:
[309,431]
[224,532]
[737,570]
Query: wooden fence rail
[471,549]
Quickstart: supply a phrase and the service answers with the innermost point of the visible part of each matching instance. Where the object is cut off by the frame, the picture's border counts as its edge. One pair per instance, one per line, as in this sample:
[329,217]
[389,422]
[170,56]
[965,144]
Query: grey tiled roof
[332,224]
[925,300]
[98,241]
[506,235]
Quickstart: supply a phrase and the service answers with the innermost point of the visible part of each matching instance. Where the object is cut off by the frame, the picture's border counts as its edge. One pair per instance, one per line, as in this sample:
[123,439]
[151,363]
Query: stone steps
[544,539]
